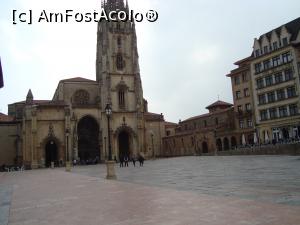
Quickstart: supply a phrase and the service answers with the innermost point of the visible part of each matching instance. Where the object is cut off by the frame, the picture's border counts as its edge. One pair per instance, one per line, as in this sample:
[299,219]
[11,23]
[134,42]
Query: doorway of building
[51,153]
[88,140]
[123,144]
[204,147]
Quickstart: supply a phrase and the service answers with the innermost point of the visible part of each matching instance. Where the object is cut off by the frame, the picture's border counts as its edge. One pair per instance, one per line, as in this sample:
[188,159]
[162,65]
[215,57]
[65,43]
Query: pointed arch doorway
[51,153]
[88,140]
[124,144]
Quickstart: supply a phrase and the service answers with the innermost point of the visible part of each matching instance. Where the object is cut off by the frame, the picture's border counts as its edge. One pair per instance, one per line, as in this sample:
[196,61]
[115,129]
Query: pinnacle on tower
[114,4]
[29,97]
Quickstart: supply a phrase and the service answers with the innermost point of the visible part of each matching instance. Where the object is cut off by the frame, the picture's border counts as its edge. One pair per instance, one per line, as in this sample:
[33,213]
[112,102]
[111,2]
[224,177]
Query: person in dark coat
[133,160]
[126,161]
[141,160]
[121,161]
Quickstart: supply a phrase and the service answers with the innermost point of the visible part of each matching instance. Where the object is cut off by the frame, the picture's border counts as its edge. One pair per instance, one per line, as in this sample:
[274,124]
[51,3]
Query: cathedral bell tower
[118,75]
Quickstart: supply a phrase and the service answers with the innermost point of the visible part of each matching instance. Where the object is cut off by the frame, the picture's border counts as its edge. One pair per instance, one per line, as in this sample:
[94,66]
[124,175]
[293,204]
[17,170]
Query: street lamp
[68,164]
[110,164]
[152,145]
[215,134]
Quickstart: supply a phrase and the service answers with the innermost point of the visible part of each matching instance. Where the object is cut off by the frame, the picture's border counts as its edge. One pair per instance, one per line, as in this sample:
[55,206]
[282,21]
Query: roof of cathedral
[44,102]
[153,116]
[5,118]
[77,79]
[219,103]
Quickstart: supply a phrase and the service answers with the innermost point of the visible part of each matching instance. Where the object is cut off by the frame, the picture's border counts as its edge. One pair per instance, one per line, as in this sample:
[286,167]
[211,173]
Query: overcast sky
[184,56]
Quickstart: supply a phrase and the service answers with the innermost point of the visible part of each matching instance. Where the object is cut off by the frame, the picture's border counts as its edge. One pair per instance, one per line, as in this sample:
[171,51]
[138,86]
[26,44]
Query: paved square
[189,190]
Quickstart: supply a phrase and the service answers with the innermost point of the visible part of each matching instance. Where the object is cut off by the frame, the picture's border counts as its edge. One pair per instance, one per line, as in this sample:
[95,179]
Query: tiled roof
[5,118]
[293,27]
[219,103]
[44,102]
[207,114]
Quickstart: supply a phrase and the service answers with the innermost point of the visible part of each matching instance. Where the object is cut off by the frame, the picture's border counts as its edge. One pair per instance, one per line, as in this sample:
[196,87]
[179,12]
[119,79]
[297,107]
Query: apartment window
[280,94]
[288,74]
[238,94]
[257,52]
[246,92]
[249,123]
[248,107]
[262,99]
[286,57]
[276,61]
[263,114]
[291,92]
[275,45]
[267,64]
[269,80]
[237,80]
[205,123]
[285,41]
[241,122]
[273,113]
[278,78]
[245,77]
[240,108]
[271,97]
[265,49]
[282,111]
[257,67]
[260,83]
[217,121]
[293,109]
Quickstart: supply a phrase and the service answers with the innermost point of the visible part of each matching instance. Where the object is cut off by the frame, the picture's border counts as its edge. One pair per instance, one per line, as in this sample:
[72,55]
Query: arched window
[81,97]
[121,99]
[120,62]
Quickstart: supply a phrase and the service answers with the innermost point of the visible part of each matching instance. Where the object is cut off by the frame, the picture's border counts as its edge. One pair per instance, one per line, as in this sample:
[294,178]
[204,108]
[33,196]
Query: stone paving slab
[274,179]
[5,199]
[44,197]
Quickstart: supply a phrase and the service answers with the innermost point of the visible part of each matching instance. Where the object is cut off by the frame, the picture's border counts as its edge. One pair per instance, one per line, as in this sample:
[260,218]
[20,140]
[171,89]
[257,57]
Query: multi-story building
[203,134]
[243,101]
[275,80]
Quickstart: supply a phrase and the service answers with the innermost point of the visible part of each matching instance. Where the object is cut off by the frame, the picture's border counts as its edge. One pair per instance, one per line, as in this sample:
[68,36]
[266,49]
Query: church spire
[29,97]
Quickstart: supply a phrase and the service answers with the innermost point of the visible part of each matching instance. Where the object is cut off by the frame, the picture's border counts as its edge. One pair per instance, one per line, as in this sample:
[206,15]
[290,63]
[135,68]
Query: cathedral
[74,125]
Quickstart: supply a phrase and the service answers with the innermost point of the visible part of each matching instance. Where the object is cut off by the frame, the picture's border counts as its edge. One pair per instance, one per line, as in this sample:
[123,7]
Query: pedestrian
[126,160]
[133,160]
[121,161]
[141,160]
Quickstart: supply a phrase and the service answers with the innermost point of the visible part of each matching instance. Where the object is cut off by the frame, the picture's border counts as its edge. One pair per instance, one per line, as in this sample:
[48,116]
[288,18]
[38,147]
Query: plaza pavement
[242,190]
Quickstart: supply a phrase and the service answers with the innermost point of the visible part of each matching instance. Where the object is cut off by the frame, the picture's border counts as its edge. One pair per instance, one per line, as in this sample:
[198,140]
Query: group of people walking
[124,160]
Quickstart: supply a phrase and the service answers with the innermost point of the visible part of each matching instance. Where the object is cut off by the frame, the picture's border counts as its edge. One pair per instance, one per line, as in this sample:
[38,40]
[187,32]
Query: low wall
[278,149]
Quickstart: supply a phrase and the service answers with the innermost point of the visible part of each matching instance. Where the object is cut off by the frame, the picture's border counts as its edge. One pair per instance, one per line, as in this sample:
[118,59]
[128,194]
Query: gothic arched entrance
[124,144]
[51,153]
[88,139]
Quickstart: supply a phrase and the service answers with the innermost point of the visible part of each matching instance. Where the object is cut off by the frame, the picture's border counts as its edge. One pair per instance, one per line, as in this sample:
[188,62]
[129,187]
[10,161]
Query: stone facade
[204,134]
[243,101]
[73,125]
